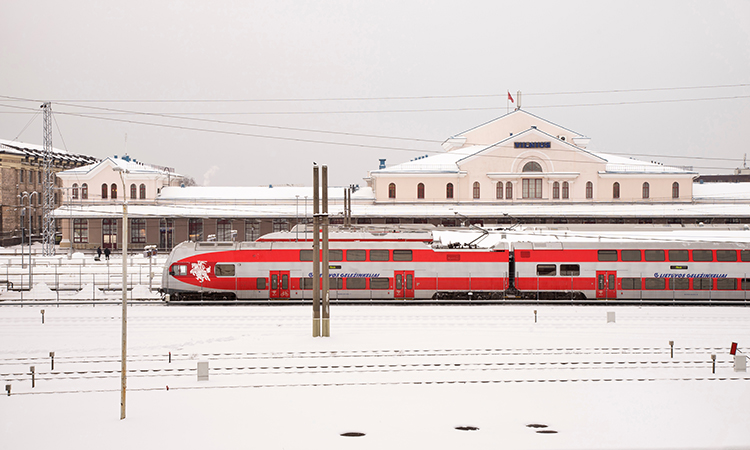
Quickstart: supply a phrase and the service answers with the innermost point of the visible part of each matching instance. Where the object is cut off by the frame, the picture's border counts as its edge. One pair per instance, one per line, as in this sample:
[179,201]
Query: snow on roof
[248,193]
[132,166]
[619,164]
[441,162]
[721,191]
[33,150]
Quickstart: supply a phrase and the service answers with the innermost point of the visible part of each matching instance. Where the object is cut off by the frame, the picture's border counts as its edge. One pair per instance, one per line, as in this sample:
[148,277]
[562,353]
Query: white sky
[75,52]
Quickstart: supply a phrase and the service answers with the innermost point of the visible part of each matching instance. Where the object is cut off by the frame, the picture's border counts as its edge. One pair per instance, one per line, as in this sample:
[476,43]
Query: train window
[224,270]
[745,284]
[409,281]
[726,255]
[655,284]
[306,283]
[285,281]
[379,283]
[355,283]
[336,283]
[726,284]
[546,270]
[179,270]
[570,270]
[356,255]
[305,255]
[703,255]
[607,255]
[335,255]
[379,255]
[402,255]
[703,284]
[631,255]
[678,255]
[654,255]
[630,283]
[274,281]
[745,255]
[679,284]
[398,281]
[260,283]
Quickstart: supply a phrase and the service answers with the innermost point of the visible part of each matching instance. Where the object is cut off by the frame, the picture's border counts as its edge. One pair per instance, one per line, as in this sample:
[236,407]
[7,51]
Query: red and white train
[510,265]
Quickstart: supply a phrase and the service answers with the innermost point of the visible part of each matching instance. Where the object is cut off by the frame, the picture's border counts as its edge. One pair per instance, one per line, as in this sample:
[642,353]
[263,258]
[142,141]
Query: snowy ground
[404,376]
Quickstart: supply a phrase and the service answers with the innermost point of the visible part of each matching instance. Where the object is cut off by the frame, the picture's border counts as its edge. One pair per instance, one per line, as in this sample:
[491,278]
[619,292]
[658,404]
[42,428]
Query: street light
[124,356]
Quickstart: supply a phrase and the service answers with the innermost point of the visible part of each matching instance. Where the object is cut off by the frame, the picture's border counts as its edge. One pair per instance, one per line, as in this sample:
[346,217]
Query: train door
[403,281]
[606,284]
[279,284]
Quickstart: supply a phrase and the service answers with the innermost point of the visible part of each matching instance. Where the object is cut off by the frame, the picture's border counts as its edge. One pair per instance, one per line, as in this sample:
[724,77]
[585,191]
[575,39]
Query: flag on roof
[510,97]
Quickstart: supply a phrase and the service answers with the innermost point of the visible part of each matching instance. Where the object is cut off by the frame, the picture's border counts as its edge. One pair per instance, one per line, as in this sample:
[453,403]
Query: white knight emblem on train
[200,271]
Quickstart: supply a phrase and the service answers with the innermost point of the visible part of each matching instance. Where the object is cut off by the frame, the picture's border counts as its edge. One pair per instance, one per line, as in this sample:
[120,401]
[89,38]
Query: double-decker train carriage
[511,265]
[385,270]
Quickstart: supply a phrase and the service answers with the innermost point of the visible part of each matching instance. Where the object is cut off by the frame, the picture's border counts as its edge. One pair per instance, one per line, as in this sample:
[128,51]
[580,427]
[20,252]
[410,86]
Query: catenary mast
[48,178]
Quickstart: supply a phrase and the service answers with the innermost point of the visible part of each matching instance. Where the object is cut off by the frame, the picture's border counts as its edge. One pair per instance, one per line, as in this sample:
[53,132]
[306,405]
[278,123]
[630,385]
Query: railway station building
[517,168]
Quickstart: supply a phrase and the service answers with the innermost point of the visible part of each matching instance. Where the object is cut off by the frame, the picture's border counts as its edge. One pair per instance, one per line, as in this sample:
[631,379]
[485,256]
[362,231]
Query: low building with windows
[21,169]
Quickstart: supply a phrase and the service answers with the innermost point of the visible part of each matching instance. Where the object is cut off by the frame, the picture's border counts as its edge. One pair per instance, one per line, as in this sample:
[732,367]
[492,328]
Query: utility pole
[48,182]
[325,325]
[316,255]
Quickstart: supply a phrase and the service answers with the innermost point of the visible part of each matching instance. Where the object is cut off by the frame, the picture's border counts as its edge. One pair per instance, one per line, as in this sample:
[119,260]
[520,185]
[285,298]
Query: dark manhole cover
[546,431]
[352,434]
[467,428]
[536,425]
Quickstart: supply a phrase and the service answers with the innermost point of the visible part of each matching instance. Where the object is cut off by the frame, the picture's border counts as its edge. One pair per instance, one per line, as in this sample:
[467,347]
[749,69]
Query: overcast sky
[341,69]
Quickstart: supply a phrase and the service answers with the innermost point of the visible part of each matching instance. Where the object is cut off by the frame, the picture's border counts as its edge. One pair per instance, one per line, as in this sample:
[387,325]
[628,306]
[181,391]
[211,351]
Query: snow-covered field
[405,376]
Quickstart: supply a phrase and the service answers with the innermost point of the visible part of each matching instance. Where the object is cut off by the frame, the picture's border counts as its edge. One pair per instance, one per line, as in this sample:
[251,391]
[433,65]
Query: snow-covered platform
[405,377]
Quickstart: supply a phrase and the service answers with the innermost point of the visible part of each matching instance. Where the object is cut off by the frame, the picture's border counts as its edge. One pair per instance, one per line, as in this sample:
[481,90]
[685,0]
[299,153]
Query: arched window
[555,190]
[133,191]
[499,190]
[84,191]
[105,190]
[675,190]
[565,190]
[509,191]
[392,190]
[75,191]
[420,190]
[616,190]
[113,191]
[449,190]
[143,191]
[589,189]
[532,166]
[645,190]
[475,189]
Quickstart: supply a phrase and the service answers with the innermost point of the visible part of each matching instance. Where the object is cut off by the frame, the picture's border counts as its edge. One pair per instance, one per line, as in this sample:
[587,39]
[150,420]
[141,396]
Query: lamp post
[124,356]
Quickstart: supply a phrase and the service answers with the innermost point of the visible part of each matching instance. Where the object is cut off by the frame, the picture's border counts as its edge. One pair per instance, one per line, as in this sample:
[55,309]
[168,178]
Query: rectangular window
[20,176]
[654,255]
[306,283]
[570,270]
[726,255]
[178,270]
[630,283]
[378,283]
[280,225]
[402,255]
[224,230]
[678,255]
[379,255]
[703,284]
[355,283]
[607,255]
[745,285]
[356,255]
[745,255]
[546,270]
[703,255]
[726,284]
[531,188]
[335,255]
[655,284]
[631,255]
[80,231]
[138,231]
[252,230]
[195,230]
[224,270]
[679,284]
[305,255]
[260,283]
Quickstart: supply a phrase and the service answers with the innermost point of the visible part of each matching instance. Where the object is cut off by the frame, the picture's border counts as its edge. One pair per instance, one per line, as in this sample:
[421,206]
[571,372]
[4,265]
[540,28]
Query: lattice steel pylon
[48,184]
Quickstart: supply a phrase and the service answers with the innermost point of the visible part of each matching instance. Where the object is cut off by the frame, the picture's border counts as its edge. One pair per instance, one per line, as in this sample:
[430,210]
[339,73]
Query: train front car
[359,271]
